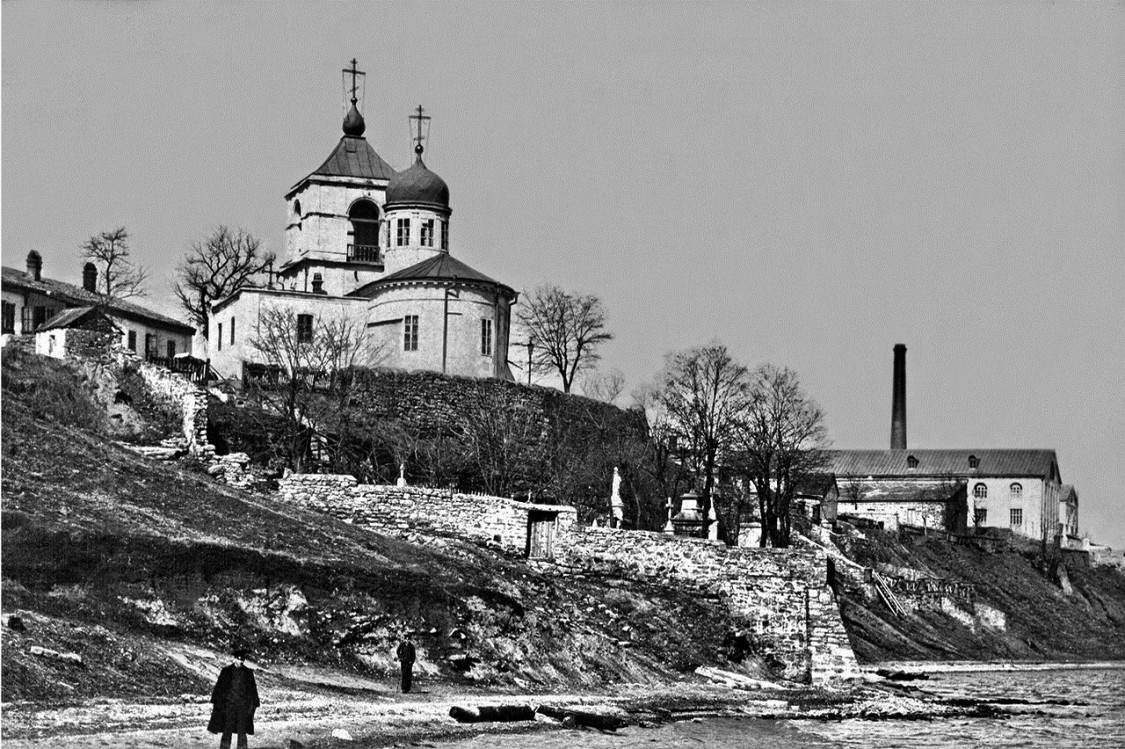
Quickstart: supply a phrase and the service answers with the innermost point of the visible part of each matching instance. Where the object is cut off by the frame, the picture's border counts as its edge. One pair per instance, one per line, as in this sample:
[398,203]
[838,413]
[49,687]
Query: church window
[402,237]
[428,233]
[980,491]
[486,337]
[297,209]
[9,318]
[132,340]
[304,328]
[1015,516]
[364,245]
[219,338]
[911,462]
[974,461]
[410,333]
[445,235]
[1016,490]
[232,331]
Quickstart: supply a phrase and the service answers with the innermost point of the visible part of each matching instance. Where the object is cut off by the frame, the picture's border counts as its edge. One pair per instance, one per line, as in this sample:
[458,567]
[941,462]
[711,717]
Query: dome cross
[423,121]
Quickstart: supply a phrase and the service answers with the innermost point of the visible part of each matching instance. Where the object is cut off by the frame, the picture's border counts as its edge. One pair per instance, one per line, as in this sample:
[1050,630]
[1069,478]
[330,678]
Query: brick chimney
[898,400]
[90,278]
[35,265]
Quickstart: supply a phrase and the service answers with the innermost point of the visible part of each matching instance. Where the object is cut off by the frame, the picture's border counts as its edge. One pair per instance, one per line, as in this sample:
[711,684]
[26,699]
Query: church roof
[354,157]
[418,185]
[951,463]
[441,267]
[77,296]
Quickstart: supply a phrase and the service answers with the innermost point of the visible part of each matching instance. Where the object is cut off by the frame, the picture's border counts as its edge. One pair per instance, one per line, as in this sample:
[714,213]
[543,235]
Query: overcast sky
[808,183]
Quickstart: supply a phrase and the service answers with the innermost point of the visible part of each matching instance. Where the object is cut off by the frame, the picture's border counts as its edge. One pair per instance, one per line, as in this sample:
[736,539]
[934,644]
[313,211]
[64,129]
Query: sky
[807,183]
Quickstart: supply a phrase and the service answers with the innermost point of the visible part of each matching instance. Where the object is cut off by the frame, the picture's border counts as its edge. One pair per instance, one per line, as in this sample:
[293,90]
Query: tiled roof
[70,318]
[955,463]
[354,157]
[77,296]
[442,266]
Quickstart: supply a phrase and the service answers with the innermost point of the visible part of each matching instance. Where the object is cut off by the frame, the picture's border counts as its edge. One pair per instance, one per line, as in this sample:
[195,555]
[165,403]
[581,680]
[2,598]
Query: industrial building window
[304,329]
[220,337]
[132,340]
[980,491]
[445,235]
[980,516]
[911,462]
[1015,490]
[402,238]
[9,318]
[171,349]
[232,331]
[428,233]
[1016,516]
[974,461]
[410,333]
[486,337]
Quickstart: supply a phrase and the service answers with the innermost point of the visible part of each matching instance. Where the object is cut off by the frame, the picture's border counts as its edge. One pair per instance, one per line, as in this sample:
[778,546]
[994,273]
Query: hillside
[150,572]
[1043,620]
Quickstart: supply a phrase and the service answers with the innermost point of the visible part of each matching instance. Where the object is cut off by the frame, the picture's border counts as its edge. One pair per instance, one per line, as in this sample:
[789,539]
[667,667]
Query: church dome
[418,185]
[353,123]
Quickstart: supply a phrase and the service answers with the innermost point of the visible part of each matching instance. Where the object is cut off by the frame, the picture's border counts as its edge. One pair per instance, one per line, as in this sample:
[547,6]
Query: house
[30,299]
[369,247]
[78,331]
[951,489]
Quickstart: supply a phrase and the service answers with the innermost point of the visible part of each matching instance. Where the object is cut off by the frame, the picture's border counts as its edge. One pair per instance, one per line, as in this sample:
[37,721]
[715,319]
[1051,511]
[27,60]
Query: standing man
[235,697]
[406,660]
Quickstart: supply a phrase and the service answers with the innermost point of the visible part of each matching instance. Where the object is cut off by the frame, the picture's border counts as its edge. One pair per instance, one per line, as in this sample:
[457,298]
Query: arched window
[911,462]
[1015,490]
[974,461]
[980,491]
[297,209]
[364,245]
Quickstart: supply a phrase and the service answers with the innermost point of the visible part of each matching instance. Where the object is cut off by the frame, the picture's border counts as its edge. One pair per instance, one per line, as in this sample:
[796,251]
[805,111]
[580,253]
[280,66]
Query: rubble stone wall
[189,399]
[781,595]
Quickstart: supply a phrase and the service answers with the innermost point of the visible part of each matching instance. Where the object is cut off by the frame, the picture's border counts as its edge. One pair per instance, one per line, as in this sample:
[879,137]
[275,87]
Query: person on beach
[235,697]
[406,655]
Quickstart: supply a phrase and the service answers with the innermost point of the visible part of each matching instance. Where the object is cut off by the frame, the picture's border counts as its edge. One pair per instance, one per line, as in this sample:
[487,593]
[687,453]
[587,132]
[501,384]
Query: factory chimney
[898,400]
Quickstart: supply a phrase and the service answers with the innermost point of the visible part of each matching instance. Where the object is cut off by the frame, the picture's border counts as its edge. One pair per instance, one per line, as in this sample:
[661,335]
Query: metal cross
[354,73]
[420,118]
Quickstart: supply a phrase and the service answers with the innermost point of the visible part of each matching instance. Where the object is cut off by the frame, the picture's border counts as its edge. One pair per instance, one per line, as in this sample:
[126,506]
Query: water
[1098,720]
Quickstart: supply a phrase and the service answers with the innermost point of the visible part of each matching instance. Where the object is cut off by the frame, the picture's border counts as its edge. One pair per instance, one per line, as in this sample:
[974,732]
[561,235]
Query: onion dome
[353,122]
[418,185]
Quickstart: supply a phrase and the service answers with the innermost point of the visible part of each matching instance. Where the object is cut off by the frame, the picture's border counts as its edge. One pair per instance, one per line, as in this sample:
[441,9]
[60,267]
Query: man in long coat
[235,697]
[405,655]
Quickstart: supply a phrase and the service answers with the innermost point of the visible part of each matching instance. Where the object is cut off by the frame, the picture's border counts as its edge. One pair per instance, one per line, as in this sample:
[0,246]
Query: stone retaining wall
[781,596]
[189,399]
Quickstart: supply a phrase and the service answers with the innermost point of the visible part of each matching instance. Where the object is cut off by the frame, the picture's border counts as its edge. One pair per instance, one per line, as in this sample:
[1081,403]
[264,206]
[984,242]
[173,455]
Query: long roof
[942,463]
[441,267]
[77,296]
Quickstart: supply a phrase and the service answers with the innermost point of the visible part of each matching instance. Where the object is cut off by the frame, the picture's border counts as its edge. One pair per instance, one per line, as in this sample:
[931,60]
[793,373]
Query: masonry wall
[781,596]
[893,514]
[189,399]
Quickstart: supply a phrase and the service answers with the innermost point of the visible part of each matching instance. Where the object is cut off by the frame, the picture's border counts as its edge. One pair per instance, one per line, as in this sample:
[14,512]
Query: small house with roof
[30,300]
[78,331]
[369,246]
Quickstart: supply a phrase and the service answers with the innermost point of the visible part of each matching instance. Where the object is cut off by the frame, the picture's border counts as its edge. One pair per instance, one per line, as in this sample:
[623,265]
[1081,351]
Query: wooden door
[541,535]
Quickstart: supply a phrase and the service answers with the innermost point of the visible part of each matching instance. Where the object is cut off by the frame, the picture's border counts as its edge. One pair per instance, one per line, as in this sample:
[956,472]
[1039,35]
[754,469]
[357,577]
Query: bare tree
[215,268]
[564,329]
[316,369]
[120,277]
[498,438]
[604,387]
[703,392]
[782,438]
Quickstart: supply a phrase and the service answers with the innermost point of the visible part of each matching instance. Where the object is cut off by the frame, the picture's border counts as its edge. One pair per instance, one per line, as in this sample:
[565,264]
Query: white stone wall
[1039,501]
[247,309]
[462,336]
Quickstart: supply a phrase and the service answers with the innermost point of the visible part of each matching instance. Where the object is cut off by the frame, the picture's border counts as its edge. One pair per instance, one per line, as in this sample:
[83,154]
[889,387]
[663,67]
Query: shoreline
[939,667]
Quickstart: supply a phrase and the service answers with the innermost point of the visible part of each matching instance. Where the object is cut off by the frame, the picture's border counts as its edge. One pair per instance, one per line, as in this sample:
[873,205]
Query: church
[370,246]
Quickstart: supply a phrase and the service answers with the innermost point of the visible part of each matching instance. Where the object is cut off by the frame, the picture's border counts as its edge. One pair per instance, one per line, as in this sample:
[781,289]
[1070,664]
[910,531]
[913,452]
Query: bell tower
[335,214]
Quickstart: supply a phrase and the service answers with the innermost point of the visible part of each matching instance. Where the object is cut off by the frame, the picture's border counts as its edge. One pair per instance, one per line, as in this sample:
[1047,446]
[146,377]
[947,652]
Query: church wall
[463,336]
[247,310]
[322,231]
